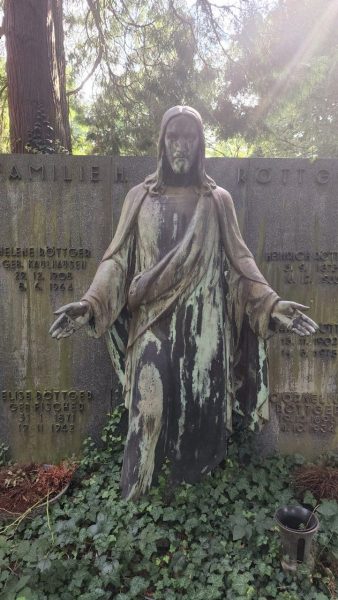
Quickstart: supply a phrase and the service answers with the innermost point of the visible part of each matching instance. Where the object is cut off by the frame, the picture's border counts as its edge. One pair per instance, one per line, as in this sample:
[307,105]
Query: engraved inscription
[37,172]
[30,265]
[95,174]
[120,175]
[284,176]
[241,176]
[322,345]
[51,172]
[323,176]
[263,175]
[46,411]
[306,413]
[305,267]
[14,174]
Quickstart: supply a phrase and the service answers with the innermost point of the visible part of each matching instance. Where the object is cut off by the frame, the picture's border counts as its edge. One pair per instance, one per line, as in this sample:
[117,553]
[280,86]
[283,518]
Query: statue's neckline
[171,190]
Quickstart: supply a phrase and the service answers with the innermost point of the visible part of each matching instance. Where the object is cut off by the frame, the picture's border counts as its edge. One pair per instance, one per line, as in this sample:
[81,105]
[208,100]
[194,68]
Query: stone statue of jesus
[182,304]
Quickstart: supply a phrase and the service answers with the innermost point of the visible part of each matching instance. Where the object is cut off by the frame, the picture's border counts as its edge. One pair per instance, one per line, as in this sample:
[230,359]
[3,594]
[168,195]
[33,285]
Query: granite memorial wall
[58,214]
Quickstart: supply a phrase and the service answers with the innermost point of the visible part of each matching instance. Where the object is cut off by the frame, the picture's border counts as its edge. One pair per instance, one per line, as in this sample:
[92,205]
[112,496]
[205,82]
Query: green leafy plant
[216,539]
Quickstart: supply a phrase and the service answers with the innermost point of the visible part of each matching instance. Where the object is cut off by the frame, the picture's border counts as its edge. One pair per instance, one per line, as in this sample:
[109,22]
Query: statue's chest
[163,221]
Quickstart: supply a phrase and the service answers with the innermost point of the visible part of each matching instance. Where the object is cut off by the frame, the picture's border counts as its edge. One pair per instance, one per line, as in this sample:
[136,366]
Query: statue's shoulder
[134,198]
[224,196]
[135,192]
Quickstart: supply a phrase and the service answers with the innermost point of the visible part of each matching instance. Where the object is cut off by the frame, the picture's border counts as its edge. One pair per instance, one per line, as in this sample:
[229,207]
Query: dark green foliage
[41,140]
[161,68]
[280,93]
[215,540]
[263,74]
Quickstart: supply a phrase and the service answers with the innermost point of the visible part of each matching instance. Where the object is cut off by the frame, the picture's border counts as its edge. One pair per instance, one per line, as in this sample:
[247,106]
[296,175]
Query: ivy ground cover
[216,540]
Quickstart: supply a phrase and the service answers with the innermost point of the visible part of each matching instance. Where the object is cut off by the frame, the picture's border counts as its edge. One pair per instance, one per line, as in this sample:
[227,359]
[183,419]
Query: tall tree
[140,56]
[37,100]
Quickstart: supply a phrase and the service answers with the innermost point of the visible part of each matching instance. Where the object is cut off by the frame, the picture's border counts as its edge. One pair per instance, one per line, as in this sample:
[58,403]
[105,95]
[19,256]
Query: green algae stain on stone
[299,258]
[52,394]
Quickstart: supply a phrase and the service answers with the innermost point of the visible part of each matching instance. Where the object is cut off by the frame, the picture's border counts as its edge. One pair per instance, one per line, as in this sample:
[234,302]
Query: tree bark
[35,69]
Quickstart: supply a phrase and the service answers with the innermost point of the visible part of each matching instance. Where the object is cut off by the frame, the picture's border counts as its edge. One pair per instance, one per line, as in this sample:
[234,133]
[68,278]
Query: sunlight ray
[308,48]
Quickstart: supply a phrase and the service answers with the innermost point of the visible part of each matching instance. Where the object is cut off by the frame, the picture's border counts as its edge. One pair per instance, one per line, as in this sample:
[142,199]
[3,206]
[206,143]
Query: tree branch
[91,72]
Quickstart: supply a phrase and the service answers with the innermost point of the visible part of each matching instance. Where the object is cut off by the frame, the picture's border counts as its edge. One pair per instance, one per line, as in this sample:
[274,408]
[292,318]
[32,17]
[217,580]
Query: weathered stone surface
[291,226]
[55,225]
[288,214]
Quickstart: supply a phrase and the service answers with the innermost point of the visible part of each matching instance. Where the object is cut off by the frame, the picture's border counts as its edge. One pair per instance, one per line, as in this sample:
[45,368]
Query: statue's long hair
[155,182]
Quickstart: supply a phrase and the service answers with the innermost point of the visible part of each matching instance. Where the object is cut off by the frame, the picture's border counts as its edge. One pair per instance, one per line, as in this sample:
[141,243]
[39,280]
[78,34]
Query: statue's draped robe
[180,266]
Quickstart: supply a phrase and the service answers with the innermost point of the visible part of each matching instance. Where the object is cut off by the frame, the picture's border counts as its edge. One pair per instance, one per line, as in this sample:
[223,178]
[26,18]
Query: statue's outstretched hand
[72,317]
[289,314]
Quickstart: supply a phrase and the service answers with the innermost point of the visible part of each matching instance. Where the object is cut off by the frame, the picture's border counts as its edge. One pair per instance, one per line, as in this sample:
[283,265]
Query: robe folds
[185,310]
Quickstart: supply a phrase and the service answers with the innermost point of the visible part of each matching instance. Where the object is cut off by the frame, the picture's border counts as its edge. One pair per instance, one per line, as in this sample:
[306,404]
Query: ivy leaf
[191,523]
[248,531]
[22,582]
[169,514]
[238,532]
[232,493]
[241,584]
[309,498]
[216,580]
[156,512]
[334,525]
[328,508]
[4,543]
[334,552]
[137,585]
[93,529]
[44,564]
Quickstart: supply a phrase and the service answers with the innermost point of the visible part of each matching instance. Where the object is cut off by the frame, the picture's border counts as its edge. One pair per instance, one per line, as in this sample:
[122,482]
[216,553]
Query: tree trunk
[35,70]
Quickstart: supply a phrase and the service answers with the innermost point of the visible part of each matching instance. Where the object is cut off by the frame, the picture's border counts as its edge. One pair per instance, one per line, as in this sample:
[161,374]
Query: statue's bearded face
[181,142]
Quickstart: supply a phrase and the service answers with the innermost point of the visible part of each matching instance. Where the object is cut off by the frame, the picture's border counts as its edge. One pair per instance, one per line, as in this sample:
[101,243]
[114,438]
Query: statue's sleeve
[107,294]
[251,291]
